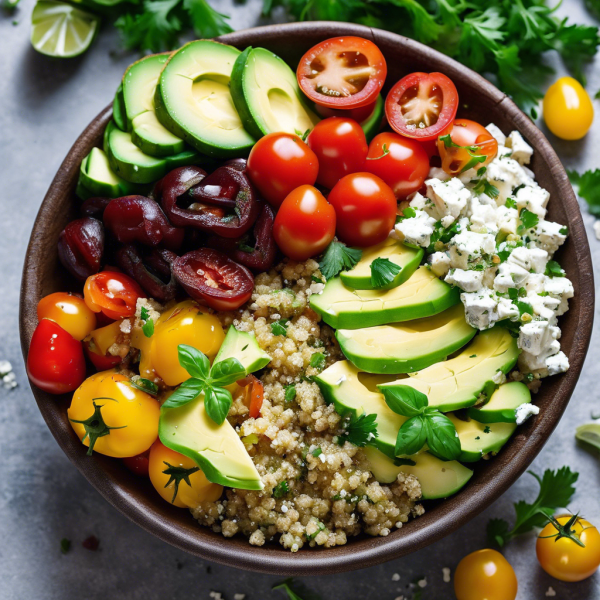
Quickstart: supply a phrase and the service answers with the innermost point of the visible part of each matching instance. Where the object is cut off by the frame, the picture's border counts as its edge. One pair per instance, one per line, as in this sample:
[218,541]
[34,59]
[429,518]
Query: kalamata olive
[255,251]
[224,202]
[94,207]
[80,247]
[212,278]
[237,163]
[152,270]
[140,219]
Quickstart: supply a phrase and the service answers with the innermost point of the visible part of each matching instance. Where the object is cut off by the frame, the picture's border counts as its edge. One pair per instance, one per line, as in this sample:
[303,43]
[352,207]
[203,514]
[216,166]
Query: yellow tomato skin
[69,311]
[568,110]
[563,559]
[122,406]
[485,575]
[184,323]
[187,496]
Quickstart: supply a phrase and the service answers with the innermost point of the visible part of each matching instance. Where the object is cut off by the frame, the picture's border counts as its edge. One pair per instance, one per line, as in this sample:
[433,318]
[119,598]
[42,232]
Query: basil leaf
[405,400]
[442,438]
[227,371]
[189,390]
[217,402]
[412,436]
[383,272]
[196,363]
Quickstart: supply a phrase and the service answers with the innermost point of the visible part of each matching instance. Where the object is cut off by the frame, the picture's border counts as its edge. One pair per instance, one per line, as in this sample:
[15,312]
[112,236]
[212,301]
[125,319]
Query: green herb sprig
[474,158]
[147,322]
[383,272]
[338,257]
[360,431]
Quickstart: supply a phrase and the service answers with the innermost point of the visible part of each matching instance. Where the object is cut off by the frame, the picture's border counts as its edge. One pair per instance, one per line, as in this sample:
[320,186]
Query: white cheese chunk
[537,337]
[530,259]
[506,174]
[533,198]
[521,150]
[524,411]
[496,133]
[480,308]
[507,310]
[510,276]
[470,246]
[416,230]
[440,263]
[450,197]
[548,235]
[559,363]
[420,202]
[468,281]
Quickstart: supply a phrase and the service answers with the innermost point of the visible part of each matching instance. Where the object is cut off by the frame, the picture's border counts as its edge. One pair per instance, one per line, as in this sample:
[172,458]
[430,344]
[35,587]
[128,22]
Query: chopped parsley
[281,489]
[317,452]
[148,323]
[553,269]
[588,188]
[290,393]
[383,272]
[359,431]
[279,327]
[317,360]
[338,257]
[528,221]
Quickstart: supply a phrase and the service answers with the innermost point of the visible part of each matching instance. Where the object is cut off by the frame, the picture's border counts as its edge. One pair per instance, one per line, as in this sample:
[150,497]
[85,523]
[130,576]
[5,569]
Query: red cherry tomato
[305,223]
[101,362]
[401,162]
[343,72]
[114,294]
[340,146]
[422,105]
[365,209]
[467,133]
[138,464]
[359,114]
[279,163]
[55,362]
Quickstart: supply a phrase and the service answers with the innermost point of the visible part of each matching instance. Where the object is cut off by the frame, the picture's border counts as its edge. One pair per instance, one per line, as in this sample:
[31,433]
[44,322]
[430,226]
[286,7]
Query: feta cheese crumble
[525,411]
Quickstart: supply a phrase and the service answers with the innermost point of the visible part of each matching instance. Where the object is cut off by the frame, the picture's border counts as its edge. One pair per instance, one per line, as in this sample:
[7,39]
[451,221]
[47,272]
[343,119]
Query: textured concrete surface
[45,105]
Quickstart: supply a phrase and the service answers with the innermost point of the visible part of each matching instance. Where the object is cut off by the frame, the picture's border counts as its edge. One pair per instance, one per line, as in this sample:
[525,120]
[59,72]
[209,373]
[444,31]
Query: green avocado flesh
[459,381]
[139,87]
[217,449]
[244,347]
[438,478]
[128,161]
[97,177]
[372,124]
[408,259]
[266,95]
[354,392]
[477,439]
[503,404]
[406,347]
[194,102]
[422,295]
[119,115]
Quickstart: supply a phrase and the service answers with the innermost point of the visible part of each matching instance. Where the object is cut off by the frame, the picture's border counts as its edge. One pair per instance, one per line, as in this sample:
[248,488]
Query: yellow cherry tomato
[168,471]
[124,420]
[563,558]
[485,575]
[568,110]
[184,323]
[69,311]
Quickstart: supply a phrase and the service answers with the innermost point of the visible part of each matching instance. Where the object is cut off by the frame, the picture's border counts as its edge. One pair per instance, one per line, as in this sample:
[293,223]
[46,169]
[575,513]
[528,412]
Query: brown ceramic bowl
[138,500]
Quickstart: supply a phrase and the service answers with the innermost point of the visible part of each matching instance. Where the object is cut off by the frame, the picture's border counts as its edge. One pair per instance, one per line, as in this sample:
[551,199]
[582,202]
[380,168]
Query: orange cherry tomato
[305,223]
[113,294]
[69,311]
[254,394]
[485,575]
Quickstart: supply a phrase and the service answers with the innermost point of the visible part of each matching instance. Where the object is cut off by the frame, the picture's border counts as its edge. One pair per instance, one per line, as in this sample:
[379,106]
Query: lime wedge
[61,30]
[589,433]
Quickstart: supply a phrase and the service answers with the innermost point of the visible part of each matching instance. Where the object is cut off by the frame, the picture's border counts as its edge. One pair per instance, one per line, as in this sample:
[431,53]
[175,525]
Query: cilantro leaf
[383,272]
[360,430]
[588,187]
[338,257]
[206,21]
[279,327]
[281,489]
[317,360]
[553,269]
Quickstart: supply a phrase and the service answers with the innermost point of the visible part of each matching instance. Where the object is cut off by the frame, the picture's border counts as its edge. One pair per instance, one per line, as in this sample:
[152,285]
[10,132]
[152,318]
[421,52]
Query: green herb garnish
[383,272]
[338,257]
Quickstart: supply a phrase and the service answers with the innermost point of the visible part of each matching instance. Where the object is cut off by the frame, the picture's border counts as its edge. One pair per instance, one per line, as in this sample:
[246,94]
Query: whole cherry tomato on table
[365,209]
[422,106]
[401,162]
[568,110]
[114,294]
[69,311]
[279,163]
[485,575]
[305,223]
[340,146]
[55,361]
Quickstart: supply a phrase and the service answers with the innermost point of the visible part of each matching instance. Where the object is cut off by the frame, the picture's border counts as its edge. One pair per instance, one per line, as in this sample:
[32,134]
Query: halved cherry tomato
[340,146]
[97,343]
[401,162]
[279,163]
[55,362]
[485,575]
[114,294]
[138,464]
[305,223]
[343,72]
[422,105]
[69,311]
[365,209]
[254,391]
[474,139]
[358,114]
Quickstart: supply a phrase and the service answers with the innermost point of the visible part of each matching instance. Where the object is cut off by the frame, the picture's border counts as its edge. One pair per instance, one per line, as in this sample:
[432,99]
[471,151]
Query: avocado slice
[353,392]
[266,95]
[139,87]
[193,99]
[217,449]
[422,295]
[128,161]
[98,178]
[372,124]
[119,114]
[438,478]
[243,346]
[503,404]
[406,347]
[459,381]
[477,439]
[408,259]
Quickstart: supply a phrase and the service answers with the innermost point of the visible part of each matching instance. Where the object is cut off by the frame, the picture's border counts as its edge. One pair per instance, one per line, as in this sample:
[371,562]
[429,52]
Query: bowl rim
[453,512]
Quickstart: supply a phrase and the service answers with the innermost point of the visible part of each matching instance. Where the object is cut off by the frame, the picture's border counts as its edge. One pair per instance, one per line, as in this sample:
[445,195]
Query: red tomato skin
[279,163]
[359,114]
[404,167]
[341,148]
[139,465]
[55,362]
[123,301]
[305,223]
[101,363]
[365,209]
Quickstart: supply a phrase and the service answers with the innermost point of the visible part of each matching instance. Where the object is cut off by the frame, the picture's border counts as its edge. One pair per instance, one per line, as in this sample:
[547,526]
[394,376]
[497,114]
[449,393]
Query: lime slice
[61,30]
[589,433]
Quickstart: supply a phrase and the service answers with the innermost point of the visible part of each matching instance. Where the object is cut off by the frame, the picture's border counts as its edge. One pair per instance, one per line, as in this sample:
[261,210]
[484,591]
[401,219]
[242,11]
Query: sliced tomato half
[422,106]
[343,72]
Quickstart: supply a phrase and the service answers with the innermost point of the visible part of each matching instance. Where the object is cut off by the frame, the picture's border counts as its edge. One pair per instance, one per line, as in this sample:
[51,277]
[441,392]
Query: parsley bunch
[587,186]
